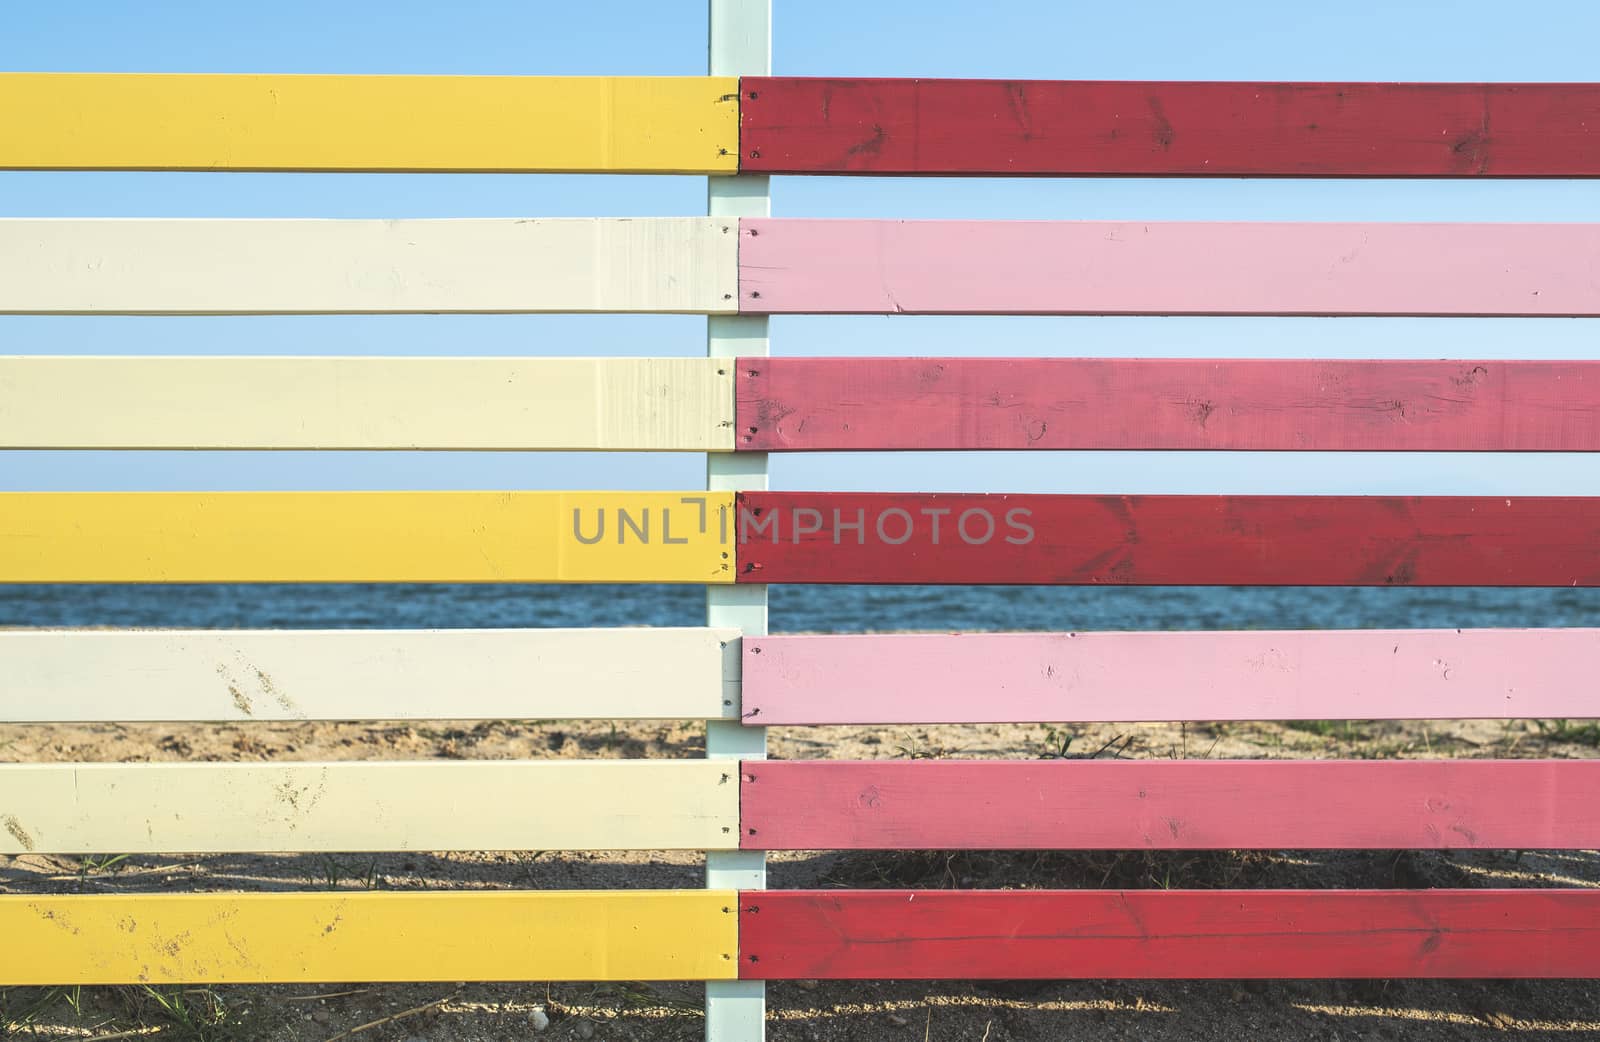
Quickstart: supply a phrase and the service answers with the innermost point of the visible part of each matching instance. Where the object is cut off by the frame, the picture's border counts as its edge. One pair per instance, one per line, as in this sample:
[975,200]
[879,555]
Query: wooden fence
[738,265]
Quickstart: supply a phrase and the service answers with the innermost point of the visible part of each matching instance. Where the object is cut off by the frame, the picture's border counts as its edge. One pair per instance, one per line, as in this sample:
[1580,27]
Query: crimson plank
[1169,804]
[876,404]
[1168,934]
[849,537]
[1207,129]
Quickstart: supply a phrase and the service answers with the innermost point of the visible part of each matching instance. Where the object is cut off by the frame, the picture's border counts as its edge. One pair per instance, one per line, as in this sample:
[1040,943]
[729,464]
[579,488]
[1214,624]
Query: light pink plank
[1151,268]
[1169,804]
[1249,675]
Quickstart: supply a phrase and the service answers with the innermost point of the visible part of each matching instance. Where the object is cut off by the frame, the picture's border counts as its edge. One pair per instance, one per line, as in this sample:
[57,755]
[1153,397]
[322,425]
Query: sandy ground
[805,1011]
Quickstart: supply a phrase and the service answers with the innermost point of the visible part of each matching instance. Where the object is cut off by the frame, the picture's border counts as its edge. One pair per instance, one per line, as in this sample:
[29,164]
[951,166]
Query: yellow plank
[595,537]
[367,936]
[618,124]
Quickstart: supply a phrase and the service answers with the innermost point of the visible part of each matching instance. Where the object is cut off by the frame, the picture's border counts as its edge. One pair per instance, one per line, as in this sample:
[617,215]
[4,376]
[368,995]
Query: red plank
[874,404]
[1166,934]
[1169,805]
[1089,128]
[848,537]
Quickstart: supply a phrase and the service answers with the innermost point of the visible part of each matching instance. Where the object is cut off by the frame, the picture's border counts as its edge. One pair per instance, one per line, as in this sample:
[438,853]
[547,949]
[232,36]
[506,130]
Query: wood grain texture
[621,404]
[364,537]
[204,808]
[1177,268]
[1170,805]
[219,267]
[1052,127]
[367,936]
[869,404]
[928,678]
[615,124]
[822,537]
[487,674]
[1168,934]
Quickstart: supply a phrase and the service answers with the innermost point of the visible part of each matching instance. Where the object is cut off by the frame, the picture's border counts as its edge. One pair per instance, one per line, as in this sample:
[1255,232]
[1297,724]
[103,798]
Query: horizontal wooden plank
[1097,128]
[1177,268]
[203,808]
[221,267]
[1167,934]
[617,124]
[625,404]
[367,936]
[849,404]
[847,537]
[1169,805]
[961,678]
[488,674]
[365,537]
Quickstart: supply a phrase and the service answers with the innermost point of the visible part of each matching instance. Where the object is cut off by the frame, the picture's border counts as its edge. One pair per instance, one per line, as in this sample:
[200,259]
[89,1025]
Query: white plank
[199,267]
[233,675]
[622,404]
[196,808]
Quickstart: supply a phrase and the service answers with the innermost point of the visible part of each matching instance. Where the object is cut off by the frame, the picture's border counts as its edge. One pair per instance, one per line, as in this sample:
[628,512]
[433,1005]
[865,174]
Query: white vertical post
[741,45]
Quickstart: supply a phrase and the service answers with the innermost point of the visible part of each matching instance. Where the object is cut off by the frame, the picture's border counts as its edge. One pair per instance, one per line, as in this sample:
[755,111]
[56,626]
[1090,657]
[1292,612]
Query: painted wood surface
[1177,268]
[847,537]
[365,537]
[203,808]
[929,678]
[367,936]
[1052,127]
[217,267]
[1168,934]
[487,674]
[628,404]
[846,404]
[1170,805]
[616,124]
[740,44]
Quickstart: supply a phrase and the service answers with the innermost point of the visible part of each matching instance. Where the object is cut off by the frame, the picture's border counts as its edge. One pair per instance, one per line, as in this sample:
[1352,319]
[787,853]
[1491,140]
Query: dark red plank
[849,537]
[1169,804]
[1101,128]
[875,404]
[1166,934]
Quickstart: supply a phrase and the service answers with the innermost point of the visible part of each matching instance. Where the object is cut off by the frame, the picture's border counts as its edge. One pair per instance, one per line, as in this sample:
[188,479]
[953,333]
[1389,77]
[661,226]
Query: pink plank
[1250,675]
[1169,804]
[857,404]
[1143,268]
[1167,934]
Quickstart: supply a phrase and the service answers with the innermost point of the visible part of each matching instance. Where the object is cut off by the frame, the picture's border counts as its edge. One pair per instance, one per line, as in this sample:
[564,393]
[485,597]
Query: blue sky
[1227,39]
